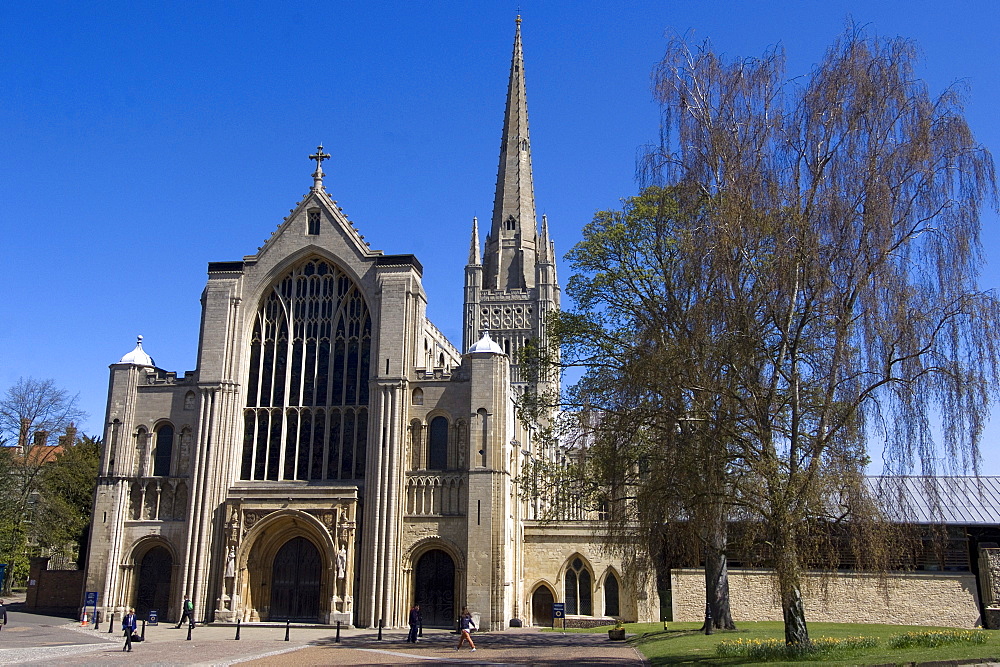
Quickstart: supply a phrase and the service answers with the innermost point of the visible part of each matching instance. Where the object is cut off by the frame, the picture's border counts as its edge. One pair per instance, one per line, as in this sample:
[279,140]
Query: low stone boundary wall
[585,621]
[905,598]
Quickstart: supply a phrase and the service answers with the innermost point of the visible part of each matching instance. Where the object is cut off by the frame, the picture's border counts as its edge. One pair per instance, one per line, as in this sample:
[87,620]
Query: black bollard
[420,630]
[143,629]
[337,640]
[288,622]
[97,620]
[237,629]
[190,625]
[708,618]
[111,623]
[380,629]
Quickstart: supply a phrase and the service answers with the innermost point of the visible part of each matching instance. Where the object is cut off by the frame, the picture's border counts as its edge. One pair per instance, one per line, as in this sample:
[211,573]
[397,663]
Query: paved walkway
[22,643]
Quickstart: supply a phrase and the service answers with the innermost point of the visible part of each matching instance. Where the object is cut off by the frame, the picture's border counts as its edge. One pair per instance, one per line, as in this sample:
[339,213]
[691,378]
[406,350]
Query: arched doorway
[434,589]
[295,582]
[153,590]
[541,607]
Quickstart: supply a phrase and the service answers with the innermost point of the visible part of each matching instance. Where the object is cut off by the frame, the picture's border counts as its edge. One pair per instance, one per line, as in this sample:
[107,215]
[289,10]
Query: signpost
[154,616]
[559,611]
[90,600]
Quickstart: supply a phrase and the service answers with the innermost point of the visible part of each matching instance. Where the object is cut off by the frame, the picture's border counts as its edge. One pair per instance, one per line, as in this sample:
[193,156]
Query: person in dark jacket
[3,615]
[129,626]
[415,622]
[188,614]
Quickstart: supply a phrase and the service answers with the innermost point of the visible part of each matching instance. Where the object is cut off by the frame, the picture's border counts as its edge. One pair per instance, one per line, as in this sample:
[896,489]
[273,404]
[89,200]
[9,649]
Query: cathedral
[333,457]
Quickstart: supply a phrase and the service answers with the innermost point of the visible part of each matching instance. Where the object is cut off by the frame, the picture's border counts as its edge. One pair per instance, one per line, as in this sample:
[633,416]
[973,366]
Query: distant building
[334,457]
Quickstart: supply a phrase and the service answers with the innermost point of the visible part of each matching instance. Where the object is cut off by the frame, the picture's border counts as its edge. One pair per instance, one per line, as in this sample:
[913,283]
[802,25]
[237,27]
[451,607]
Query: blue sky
[143,140]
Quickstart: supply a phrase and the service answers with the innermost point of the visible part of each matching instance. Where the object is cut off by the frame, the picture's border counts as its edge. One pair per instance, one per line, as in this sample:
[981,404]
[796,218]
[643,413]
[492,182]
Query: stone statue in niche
[189,401]
[231,563]
[342,563]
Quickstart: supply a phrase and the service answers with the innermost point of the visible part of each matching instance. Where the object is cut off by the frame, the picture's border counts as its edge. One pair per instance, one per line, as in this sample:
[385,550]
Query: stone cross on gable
[319,156]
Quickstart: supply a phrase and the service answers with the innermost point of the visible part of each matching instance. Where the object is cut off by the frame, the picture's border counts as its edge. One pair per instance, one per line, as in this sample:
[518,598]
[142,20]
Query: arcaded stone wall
[906,598]
[549,546]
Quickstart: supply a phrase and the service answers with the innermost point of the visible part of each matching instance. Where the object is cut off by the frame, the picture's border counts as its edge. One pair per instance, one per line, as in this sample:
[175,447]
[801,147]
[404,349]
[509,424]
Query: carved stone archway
[256,562]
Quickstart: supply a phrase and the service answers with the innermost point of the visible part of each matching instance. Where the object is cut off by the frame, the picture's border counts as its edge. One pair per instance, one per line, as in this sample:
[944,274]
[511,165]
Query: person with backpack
[188,614]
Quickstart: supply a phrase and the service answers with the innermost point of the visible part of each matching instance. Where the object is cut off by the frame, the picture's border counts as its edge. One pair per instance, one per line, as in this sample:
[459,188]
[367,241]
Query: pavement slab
[34,640]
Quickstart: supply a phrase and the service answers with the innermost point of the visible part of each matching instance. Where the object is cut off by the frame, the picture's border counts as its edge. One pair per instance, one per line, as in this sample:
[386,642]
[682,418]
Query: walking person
[3,615]
[466,625]
[415,622]
[128,625]
[188,614]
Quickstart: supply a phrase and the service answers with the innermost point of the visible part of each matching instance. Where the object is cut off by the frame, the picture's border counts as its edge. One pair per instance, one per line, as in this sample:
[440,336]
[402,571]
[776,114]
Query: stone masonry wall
[948,599]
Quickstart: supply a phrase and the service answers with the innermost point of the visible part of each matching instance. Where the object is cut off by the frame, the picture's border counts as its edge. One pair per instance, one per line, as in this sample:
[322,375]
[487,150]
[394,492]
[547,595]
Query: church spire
[509,259]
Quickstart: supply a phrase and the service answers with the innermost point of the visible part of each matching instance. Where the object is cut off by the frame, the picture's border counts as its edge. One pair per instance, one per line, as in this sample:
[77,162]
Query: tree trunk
[790,584]
[717,574]
[796,632]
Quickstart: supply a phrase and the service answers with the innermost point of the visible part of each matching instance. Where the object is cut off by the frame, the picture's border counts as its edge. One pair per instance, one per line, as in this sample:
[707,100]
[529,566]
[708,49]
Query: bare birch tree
[843,237]
[33,415]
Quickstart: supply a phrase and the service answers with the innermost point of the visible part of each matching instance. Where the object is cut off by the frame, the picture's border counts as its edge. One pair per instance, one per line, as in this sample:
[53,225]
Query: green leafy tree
[65,498]
[643,334]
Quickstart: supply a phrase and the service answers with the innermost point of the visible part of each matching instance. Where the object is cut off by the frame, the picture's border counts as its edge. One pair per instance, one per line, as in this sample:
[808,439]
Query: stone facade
[334,457]
[906,598]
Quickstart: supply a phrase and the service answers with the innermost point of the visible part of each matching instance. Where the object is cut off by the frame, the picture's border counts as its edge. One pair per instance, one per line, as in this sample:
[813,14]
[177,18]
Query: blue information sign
[91,599]
[154,617]
[558,610]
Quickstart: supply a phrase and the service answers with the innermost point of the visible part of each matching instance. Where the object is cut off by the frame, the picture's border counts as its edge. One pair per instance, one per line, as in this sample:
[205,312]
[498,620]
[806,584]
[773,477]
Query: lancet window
[307,387]
[611,606]
[578,593]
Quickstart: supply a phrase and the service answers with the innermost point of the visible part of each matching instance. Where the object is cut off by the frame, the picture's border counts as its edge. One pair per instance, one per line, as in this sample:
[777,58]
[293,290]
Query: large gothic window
[307,387]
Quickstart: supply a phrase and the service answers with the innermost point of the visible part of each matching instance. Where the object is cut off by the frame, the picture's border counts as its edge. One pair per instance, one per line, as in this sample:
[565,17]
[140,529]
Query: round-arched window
[437,458]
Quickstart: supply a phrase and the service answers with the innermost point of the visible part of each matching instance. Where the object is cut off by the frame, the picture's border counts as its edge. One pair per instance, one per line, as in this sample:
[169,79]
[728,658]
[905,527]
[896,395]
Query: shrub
[776,649]
[934,638]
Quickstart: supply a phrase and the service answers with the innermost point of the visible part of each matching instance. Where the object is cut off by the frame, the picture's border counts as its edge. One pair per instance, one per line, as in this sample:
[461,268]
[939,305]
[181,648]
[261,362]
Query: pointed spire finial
[319,156]
[474,258]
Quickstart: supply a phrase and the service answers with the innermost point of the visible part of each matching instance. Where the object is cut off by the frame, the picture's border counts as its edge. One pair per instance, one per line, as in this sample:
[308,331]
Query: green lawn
[682,643]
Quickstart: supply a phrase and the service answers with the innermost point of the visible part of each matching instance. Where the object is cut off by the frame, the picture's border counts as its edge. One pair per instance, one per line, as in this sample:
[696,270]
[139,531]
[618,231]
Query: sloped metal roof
[964,500]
